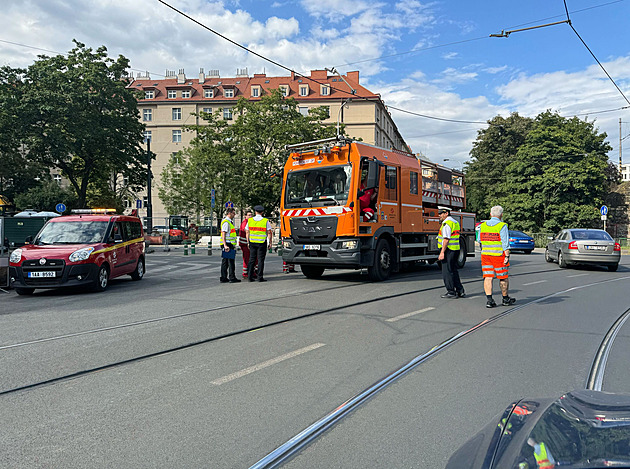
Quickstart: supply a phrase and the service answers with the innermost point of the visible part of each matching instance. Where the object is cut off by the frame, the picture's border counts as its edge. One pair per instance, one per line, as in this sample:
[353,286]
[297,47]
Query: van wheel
[312,271]
[613,268]
[461,258]
[102,279]
[139,272]
[382,267]
[24,291]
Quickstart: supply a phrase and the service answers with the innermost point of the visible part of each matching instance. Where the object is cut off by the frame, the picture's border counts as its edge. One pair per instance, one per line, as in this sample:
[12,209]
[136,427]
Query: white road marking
[408,315]
[260,366]
[534,283]
[576,275]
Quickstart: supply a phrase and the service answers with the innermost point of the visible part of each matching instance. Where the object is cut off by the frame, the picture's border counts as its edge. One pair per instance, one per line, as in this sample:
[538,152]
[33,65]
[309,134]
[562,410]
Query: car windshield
[72,232]
[518,234]
[591,234]
[324,186]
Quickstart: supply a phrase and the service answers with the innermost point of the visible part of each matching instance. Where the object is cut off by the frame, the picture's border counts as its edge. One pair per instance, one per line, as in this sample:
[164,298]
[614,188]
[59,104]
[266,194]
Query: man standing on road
[448,243]
[242,241]
[495,255]
[259,235]
[228,247]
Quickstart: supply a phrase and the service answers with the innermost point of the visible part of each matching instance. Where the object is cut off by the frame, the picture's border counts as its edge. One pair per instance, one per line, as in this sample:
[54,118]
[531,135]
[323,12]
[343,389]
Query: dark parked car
[582,429]
[584,246]
[520,241]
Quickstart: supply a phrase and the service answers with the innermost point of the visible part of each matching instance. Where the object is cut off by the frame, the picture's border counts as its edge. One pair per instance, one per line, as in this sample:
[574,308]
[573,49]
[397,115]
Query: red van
[80,249]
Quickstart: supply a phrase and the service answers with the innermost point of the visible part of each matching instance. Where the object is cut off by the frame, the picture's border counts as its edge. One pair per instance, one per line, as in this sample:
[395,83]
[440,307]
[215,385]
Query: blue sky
[476,79]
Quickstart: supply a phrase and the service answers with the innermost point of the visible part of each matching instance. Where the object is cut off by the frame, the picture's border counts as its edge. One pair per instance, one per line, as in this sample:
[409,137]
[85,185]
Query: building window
[177,158]
[413,183]
[177,113]
[303,90]
[57,179]
[229,93]
[207,110]
[227,113]
[327,109]
[208,93]
[149,94]
[303,110]
[186,94]
[177,136]
[171,94]
[147,115]
[284,89]
[145,201]
[325,90]
[127,203]
[255,92]
[147,136]
[125,181]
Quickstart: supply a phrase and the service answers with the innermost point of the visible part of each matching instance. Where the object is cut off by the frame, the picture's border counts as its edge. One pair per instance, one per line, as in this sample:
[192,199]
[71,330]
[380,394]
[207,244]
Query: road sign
[229,205]
[60,208]
[212,199]
[604,217]
[603,210]
[138,203]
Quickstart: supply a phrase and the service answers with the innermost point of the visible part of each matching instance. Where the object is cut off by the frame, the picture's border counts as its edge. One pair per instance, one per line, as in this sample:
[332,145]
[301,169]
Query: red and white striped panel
[309,212]
[428,194]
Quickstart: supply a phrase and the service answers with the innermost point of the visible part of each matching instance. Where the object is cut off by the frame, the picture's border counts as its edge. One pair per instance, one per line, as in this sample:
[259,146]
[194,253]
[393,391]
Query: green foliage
[556,173]
[238,160]
[76,114]
[45,197]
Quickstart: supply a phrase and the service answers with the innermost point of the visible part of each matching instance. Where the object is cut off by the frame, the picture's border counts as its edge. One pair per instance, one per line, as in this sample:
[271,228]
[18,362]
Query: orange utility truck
[349,205]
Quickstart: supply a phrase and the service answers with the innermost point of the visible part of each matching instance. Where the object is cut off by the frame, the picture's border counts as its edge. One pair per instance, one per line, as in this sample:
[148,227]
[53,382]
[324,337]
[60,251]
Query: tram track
[240,332]
[293,446]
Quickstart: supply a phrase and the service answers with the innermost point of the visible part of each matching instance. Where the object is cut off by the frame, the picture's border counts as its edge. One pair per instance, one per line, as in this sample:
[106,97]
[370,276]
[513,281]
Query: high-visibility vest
[542,458]
[230,236]
[454,239]
[490,239]
[257,230]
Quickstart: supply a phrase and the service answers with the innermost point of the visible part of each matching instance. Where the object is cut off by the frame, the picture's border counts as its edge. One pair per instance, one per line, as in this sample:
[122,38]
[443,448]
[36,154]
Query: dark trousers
[228,264]
[257,252]
[450,275]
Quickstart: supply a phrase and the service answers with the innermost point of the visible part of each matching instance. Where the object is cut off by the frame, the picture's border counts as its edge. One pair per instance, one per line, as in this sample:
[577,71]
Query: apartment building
[171,103]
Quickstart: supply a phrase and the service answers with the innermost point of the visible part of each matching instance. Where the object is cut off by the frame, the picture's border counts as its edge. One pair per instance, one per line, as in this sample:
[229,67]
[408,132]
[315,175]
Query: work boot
[508,301]
[461,294]
[234,280]
[490,303]
[449,295]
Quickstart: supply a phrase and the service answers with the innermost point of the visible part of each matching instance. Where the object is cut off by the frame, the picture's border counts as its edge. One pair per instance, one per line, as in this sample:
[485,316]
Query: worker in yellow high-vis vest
[228,248]
[259,236]
[448,243]
[495,255]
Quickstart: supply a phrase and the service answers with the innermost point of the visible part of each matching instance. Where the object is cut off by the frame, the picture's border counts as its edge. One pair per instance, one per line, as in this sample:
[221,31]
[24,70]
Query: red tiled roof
[338,88]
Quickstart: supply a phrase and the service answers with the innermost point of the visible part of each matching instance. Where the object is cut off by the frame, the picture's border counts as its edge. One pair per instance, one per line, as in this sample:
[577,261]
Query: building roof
[242,86]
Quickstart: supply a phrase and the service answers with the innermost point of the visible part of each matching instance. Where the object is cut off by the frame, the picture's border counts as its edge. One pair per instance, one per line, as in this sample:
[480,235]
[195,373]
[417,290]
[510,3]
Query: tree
[557,177]
[82,119]
[238,160]
[45,197]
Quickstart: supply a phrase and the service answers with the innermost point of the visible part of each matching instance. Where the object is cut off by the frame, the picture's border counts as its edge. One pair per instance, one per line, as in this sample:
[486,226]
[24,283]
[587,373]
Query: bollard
[209,248]
[285,268]
[280,250]
[192,248]
[185,248]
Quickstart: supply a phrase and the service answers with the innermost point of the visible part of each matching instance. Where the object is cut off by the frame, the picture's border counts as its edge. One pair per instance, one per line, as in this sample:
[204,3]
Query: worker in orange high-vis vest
[259,237]
[495,255]
[448,243]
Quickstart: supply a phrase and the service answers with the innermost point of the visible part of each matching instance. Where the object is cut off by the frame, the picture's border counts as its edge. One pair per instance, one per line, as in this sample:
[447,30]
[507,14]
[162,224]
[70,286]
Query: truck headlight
[349,244]
[16,256]
[286,244]
[81,254]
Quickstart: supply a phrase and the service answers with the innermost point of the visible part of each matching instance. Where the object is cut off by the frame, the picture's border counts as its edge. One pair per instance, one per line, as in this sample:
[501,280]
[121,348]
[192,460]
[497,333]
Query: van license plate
[311,247]
[41,274]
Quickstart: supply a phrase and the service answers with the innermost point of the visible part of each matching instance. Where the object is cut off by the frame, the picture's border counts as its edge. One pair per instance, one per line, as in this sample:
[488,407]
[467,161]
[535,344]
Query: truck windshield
[318,186]
[72,232]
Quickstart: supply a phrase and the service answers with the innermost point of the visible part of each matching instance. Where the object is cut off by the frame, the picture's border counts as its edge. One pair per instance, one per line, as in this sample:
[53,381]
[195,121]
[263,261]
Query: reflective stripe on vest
[257,230]
[454,239]
[542,459]
[490,239]
[230,236]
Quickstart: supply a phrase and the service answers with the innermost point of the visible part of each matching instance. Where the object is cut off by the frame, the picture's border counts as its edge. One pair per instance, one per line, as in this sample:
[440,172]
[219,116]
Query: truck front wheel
[382,262]
[312,271]
[461,259]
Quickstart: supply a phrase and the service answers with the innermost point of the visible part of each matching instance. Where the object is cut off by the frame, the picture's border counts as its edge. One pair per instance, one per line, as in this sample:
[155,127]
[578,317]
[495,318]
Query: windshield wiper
[328,199]
[301,200]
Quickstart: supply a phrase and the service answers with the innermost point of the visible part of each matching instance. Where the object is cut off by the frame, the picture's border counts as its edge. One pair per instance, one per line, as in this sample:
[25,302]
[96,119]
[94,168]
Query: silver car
[583,246]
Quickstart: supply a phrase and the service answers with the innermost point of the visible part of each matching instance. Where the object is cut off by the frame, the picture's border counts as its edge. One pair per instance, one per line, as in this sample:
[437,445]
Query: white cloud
[450,55]
[336,11]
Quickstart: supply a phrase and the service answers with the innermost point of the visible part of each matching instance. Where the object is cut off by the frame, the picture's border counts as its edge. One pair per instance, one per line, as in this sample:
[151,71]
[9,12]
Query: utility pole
[620,144]
[149,177]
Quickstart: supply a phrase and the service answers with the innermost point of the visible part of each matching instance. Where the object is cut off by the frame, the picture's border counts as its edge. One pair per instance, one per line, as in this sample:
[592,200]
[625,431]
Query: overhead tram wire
[284,67]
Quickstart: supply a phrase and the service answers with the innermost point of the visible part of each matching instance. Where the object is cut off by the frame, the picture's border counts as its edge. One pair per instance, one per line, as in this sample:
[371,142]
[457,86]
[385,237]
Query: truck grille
[313,230]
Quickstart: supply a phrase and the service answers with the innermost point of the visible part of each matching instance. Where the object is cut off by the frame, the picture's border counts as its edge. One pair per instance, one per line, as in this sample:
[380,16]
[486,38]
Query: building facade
[171,103]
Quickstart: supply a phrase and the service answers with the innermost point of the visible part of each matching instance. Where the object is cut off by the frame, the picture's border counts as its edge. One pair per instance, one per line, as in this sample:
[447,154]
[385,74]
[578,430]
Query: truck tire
[461,258]
[382,267]
[312,271]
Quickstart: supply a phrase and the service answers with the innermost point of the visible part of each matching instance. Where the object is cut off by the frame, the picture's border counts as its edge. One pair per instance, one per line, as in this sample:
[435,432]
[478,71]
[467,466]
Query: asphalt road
[178,370]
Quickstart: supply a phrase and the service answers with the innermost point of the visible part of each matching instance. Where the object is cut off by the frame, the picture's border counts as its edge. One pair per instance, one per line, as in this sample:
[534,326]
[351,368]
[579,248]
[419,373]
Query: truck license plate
[311,247]
[41,274]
